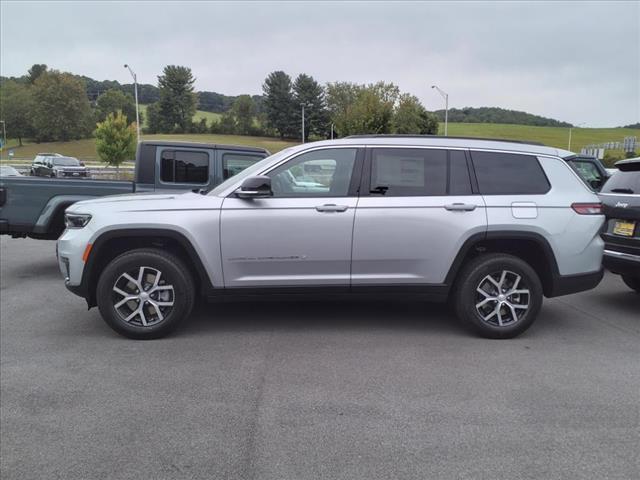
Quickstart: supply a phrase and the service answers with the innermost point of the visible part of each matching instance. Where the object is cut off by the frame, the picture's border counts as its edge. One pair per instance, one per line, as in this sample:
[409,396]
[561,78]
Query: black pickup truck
[34,206]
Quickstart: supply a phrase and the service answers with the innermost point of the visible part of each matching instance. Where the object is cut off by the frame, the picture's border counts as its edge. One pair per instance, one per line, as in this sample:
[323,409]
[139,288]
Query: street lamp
[135,90]
[571,128]
[304,105]
[446,107]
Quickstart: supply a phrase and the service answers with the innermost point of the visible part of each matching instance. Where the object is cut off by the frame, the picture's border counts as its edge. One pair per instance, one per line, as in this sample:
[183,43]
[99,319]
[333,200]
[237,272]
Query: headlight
[76,220]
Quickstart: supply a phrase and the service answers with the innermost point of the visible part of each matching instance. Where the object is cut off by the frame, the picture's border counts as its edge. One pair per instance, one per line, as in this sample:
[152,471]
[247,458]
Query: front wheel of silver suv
[498,295]
[145,293]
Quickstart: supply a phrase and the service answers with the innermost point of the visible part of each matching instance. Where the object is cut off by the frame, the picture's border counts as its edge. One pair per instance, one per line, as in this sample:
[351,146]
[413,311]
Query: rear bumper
[568,284]
[621,262]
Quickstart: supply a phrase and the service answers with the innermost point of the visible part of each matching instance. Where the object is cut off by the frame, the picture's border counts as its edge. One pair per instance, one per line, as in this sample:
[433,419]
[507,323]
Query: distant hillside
[498,115]
[147,93]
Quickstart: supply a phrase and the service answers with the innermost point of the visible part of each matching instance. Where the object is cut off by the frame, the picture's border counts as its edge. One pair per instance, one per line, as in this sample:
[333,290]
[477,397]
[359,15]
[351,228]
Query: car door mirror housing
[255,187]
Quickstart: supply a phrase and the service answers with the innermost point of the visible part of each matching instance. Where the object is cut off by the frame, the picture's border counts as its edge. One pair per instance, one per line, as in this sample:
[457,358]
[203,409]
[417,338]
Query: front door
[302,235]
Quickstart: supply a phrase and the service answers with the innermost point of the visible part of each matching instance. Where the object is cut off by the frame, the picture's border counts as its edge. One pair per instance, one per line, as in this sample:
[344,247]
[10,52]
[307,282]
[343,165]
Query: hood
[140,202]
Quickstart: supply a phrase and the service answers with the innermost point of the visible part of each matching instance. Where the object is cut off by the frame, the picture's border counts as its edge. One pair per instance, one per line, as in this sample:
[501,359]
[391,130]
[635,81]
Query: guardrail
[98,172]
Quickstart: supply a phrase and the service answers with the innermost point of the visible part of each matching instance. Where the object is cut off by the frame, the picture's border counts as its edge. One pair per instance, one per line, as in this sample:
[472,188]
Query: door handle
[460,207]
[332,207]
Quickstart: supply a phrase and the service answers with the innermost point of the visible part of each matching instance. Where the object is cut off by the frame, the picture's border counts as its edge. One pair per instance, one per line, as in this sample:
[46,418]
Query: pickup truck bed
[25,197]
[34,206]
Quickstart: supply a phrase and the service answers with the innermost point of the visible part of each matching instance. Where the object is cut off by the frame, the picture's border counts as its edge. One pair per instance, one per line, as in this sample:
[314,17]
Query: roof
[221,146]
[437,141]
[629,165]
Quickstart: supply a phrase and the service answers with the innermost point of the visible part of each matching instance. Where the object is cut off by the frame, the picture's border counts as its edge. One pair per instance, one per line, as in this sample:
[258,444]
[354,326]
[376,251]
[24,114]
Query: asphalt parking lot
[297,390]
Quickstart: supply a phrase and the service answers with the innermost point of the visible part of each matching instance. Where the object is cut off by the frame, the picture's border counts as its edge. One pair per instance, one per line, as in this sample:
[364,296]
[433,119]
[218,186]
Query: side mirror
[255,187]
[82,164]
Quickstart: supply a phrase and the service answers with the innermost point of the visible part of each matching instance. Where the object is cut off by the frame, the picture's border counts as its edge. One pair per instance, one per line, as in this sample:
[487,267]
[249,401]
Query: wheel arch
[115,242]
[531,247]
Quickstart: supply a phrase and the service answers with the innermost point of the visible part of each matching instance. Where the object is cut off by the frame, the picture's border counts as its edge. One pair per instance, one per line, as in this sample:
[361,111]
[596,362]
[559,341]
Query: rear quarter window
[509,174]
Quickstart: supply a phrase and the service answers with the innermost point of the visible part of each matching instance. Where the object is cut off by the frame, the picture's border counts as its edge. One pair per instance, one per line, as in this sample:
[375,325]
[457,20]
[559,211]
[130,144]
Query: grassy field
[552,136]
[196,118]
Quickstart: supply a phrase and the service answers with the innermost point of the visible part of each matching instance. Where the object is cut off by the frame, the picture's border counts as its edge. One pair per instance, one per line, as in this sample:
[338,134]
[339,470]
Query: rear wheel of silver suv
[498,295]
[145,293]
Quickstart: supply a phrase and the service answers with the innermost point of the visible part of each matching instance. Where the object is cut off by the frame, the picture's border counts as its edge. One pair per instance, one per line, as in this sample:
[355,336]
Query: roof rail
[398,135]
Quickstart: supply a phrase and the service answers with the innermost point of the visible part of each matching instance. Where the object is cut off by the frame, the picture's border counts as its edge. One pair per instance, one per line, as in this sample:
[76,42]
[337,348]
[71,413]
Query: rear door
[416,210]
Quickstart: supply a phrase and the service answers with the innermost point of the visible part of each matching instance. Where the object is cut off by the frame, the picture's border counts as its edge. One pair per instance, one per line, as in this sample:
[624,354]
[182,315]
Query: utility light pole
[446,106]
[571,128]
[135,90]
[303,105]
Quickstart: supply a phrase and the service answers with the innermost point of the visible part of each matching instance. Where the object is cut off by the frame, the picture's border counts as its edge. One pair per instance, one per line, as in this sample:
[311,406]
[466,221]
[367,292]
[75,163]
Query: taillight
[587,208]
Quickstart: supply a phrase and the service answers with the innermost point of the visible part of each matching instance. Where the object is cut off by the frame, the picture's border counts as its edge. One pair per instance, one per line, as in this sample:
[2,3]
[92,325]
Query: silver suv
[493,225]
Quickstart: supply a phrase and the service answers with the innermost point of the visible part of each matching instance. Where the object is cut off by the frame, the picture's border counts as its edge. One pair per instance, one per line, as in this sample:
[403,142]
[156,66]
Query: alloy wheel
[502,298]
[142,297]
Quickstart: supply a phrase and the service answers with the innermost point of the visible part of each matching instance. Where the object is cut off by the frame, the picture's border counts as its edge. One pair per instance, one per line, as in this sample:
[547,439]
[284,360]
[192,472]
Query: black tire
[177,287]
[632,282]
[474,276]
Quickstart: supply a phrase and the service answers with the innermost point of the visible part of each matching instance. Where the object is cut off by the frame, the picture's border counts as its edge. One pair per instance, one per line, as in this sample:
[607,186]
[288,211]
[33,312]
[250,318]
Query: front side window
[184,166]
[400,172]
[509,174]
[321,173]
[234,163]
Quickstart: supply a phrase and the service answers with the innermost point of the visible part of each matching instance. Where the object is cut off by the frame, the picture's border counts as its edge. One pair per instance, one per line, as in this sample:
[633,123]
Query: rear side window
[509,174]
[234,163]
[405,172]
[183,166]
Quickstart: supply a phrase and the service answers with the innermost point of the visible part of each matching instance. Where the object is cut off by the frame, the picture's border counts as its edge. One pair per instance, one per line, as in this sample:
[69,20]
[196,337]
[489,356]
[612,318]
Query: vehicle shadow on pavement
[331,314]
[626,300]
[43,269]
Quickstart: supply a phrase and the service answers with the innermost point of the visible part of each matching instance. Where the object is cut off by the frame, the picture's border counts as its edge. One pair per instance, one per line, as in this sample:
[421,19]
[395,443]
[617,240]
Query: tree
[279,104]
[308,92]
[153,118]
[177,104]
[62,111]
[116,140]
[243,111]
[16,105]
[35,71]
[411,117]
[202,126]
[362,109]
[227,123]
[113,100]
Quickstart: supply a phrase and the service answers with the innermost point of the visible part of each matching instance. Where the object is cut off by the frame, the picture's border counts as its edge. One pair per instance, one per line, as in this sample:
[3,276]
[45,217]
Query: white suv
[494,225]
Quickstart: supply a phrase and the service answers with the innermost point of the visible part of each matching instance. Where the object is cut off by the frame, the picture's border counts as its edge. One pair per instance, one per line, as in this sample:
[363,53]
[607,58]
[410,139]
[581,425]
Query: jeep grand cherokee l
[493,225]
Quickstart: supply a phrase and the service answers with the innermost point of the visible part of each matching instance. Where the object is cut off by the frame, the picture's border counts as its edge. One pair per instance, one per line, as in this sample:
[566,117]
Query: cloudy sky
[574,61]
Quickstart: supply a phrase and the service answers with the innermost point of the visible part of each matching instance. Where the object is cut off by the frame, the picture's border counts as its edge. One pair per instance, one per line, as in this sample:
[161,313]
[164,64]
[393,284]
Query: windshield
[66,162]
[252,170]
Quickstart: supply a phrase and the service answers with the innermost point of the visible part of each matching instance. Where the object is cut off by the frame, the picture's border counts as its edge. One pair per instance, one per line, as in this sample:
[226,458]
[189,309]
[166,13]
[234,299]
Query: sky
[573,61]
